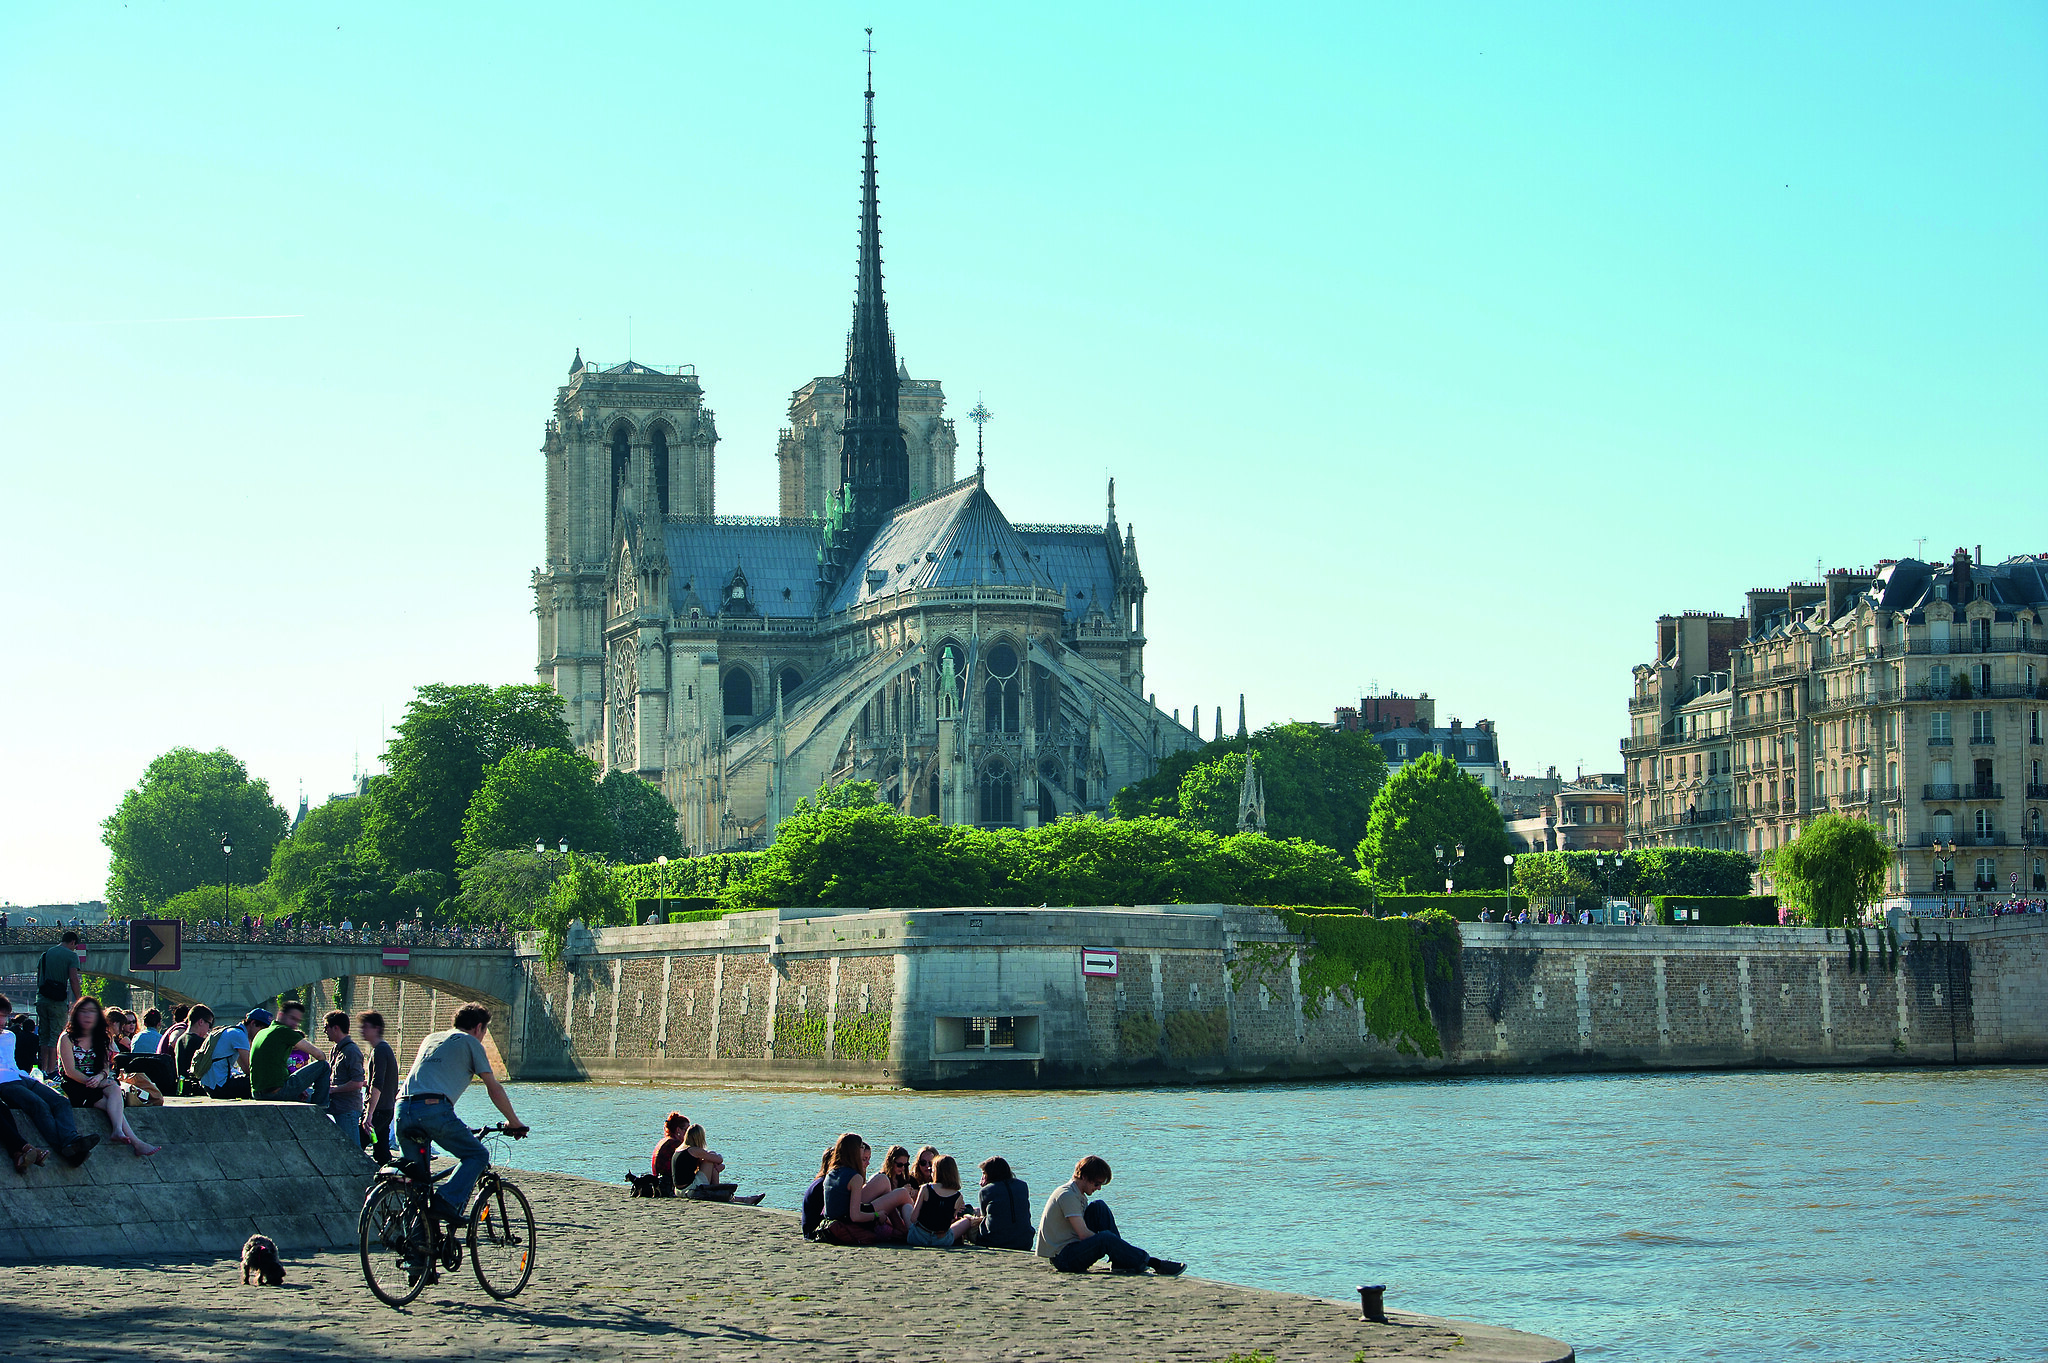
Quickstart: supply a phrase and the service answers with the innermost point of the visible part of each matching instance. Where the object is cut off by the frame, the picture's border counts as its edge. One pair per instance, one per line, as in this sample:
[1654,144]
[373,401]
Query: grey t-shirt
[1055,1232]
[445,1064]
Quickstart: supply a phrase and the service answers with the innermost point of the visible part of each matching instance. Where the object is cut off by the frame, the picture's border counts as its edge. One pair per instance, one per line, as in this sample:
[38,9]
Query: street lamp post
[1451,865]
[661,875]
[1507,887]
[227,850]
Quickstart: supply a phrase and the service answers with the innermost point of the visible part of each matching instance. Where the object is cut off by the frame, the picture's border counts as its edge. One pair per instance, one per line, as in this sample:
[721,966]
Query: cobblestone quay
[617,1277]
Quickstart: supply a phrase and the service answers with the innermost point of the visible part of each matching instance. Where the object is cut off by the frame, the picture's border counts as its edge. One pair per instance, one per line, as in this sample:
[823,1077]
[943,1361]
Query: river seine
[1893,1215]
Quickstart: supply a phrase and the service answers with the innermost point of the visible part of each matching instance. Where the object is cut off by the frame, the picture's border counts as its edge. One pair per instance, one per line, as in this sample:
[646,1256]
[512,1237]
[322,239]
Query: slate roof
[1421,741]
[957,537]
[780,563]
[1079,561]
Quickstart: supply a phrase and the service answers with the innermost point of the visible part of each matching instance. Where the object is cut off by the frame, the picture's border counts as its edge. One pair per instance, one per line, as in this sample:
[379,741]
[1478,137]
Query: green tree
[1296,871]
[876,858]
[585,892]
[450,737]
[643,821]
[1320,782]
[203,904]
[1833,870]
[506,889]
[531,794]
[1429,804]
[165,835]
[354,887]
[327,833]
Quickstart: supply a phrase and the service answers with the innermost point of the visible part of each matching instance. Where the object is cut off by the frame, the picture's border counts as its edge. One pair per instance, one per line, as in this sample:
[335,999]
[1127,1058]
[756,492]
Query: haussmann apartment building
[1911,696]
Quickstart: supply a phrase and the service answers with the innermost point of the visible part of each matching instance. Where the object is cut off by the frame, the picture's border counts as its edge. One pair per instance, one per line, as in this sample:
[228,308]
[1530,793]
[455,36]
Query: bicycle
[399,1234]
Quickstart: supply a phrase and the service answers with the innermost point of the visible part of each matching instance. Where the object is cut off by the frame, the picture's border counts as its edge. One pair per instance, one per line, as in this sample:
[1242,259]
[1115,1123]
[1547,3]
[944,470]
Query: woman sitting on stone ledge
[1006,1220]
[85,1053]
[939,1219]
[891,1189]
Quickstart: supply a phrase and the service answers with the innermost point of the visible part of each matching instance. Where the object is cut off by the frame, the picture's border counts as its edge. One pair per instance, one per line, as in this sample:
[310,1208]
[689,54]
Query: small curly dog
[259,1257]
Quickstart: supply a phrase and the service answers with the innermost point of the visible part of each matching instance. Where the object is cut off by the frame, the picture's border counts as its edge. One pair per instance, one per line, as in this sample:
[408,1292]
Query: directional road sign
[156,944]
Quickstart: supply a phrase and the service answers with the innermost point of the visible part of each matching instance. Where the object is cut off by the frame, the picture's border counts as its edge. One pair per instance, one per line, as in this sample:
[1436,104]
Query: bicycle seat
[414,1169]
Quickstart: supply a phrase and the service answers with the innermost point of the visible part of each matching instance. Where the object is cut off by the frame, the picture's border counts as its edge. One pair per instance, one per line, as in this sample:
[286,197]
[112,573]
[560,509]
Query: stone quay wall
[900,997]
[226,1171]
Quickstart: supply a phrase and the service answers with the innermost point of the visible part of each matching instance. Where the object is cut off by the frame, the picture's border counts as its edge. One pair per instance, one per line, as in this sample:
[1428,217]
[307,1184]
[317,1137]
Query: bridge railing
[201,934]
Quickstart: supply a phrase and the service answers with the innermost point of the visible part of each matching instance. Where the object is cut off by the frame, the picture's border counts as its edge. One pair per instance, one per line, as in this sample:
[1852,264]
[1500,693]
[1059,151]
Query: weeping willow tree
[1833,871]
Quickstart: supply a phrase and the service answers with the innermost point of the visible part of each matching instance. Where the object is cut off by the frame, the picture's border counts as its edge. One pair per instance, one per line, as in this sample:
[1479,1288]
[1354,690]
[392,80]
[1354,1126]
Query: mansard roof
[955,538]
[778,558]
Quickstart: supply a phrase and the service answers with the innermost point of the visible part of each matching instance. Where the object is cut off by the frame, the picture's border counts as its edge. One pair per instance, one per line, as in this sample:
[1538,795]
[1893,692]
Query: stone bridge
[416,979]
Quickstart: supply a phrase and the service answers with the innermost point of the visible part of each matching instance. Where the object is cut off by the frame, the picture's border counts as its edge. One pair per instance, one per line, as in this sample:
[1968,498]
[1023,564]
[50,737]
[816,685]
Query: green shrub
[1138,1033]
[699,915]
[1717,911]
[1463,905]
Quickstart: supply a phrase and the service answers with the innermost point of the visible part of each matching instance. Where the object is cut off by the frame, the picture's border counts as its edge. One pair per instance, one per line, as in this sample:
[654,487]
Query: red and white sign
[1099,961]
[396,958]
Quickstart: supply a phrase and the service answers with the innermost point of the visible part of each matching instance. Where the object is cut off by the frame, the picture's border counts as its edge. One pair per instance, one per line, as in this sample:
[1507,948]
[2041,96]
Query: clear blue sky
[1442,349]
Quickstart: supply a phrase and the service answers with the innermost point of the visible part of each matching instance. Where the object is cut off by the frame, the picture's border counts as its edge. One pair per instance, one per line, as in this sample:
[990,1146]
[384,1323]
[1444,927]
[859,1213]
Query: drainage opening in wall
[996,1037]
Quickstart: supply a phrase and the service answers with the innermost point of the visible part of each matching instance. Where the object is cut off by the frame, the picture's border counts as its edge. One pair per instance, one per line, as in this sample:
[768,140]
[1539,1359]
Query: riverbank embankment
[616,1276]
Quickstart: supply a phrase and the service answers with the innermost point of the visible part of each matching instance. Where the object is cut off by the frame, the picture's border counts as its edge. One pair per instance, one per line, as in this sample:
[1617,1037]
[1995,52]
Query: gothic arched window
[622,460]
[998,801]
[791,680]
[1000,694]
[659,443]
[739,694]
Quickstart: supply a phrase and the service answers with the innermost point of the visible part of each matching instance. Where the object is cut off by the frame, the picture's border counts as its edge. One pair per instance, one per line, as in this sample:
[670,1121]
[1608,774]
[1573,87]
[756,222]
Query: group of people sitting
[918,1200]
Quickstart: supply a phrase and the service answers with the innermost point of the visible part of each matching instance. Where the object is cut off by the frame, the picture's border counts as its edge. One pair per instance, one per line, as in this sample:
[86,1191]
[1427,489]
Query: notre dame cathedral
[891,624]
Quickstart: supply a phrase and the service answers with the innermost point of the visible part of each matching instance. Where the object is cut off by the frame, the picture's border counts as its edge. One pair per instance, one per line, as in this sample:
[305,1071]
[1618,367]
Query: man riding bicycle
[446,1062]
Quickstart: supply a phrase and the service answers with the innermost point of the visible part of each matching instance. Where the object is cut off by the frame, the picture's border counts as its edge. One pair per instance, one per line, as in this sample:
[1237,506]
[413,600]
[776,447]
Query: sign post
[156,944]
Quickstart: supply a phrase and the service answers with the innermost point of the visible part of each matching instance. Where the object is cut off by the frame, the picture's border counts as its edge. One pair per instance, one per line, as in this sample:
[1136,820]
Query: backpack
[57,990]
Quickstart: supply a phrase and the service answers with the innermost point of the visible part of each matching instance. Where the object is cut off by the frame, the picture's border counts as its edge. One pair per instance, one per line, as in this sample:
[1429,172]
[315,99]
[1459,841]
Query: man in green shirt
[58,983]
[270,1061]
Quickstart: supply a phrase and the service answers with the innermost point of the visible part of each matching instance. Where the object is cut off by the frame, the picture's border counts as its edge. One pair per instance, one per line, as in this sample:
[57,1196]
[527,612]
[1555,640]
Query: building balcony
[1983,740]
[2035,838]
[1982,790]
[1960,688]
[1941,742]
[1759,721]
[1882,696]
[2036,791]
[1969,645]
[1643,744]
[1959,839]
[1637,704]
[1891,795]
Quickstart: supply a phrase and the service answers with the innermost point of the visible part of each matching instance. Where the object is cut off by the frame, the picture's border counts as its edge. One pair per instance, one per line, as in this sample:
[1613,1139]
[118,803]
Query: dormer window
[1941,591]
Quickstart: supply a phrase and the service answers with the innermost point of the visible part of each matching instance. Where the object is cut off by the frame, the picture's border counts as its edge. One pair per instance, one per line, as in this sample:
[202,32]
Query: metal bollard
[1372,1302]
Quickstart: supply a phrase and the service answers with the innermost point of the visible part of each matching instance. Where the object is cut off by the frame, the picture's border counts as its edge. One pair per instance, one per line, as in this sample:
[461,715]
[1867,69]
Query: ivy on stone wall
[800,1035]
[862,1036]
[1138,1036]
[1193,1032]
[1384,965]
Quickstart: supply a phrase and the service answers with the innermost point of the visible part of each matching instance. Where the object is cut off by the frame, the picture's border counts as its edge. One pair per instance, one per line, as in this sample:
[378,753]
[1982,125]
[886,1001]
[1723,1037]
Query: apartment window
[1941,594]
[1937,680]
[2027,676]
[2033,726]
[1891,775]
[1891,728]
[1937,727]
[1983,821]
[1401,751]
[1987,873]
[1980,633]
[1667,769]
[1980,678]
[1695,764]
[1980,726]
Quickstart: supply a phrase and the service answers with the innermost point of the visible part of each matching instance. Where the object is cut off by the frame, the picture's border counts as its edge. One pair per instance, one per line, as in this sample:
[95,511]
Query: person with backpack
[59,982]
[224,1073]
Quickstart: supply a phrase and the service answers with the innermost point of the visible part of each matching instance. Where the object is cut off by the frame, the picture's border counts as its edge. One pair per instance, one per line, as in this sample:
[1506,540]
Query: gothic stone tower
[627,444]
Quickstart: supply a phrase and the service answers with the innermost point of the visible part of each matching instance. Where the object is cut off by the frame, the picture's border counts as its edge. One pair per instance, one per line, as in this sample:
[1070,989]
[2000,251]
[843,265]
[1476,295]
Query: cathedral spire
[874,465]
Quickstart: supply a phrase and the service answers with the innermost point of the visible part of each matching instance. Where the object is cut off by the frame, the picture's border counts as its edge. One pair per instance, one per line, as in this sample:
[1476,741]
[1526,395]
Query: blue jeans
[308,1085]
[1124,1257]
[422,1125]
[925,1239]
[45,1107]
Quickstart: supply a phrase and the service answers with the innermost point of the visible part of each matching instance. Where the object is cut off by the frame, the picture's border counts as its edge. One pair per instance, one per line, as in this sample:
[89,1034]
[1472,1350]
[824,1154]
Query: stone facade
[807,454]
[1911,696]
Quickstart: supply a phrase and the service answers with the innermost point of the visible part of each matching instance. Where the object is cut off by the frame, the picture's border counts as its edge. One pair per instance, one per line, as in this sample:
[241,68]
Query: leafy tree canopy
[1833,870]
[165,835]
[203,904]
[1319,781]
[450,737]
[643,821]
[502,889]
[1644,872]
[1429,804]
[325,835]
[537,793]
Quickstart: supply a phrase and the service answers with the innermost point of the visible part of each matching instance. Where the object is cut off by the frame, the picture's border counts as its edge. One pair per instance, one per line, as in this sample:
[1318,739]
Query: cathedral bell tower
[874,463]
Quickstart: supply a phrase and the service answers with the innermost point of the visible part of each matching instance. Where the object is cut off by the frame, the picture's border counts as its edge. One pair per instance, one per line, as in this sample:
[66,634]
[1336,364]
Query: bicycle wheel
[395,1242]
[501,1239]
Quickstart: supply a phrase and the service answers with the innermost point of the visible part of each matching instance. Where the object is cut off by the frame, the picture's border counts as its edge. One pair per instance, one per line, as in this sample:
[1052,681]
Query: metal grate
[992,1033]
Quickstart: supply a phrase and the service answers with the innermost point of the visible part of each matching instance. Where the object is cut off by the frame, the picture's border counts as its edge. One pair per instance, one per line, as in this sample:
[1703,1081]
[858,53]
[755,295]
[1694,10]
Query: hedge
[1717,911]
[685,877]
[1463,905]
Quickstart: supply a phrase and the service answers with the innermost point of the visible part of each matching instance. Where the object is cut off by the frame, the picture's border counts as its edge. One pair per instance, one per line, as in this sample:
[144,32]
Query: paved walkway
[616,1277]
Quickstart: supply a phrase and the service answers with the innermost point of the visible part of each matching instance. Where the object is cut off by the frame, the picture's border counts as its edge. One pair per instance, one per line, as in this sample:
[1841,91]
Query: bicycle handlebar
[501,1129]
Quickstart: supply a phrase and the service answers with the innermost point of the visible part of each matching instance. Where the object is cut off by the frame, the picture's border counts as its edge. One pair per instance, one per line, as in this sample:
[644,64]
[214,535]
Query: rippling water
[1812,1215]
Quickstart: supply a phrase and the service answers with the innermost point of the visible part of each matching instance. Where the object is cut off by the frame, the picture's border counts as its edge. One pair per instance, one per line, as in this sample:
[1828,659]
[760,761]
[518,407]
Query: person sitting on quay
[1005,1208]
[271,1077]
[939,1219]
[152,1034]
[849,1218]
[167,1044]
[923,1165]
[675,1137]
[1074,1232]
[814,1198]
[85,1054]
[139,1064]
[223,1070]
[47,1111]
[348,1076]
[189,1051]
